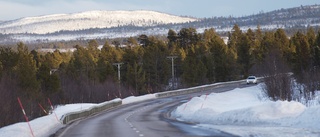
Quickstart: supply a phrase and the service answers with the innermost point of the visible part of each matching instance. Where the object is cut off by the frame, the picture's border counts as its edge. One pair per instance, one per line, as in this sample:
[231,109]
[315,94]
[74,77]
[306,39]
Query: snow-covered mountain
[122,24]
[88,20]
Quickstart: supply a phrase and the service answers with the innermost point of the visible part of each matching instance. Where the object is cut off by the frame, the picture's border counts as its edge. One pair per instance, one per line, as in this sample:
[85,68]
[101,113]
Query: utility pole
[172,68]
[119,66]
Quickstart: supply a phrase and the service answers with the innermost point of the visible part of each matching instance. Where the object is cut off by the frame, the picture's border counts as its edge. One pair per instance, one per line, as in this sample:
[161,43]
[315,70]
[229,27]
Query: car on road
[252,79]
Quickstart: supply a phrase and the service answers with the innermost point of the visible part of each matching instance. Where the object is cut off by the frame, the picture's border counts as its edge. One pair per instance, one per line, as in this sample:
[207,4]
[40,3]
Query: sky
[14,9]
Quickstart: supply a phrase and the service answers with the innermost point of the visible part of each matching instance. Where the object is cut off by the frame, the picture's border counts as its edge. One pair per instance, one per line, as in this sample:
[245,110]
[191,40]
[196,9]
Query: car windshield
[251,77]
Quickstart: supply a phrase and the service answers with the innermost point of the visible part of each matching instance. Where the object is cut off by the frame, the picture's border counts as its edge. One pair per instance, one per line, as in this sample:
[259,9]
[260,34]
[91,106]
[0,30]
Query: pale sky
[14,9]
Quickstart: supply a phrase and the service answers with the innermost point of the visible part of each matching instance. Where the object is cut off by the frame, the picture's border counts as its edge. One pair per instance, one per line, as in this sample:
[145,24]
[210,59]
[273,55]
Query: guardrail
[70,117]
[195,89]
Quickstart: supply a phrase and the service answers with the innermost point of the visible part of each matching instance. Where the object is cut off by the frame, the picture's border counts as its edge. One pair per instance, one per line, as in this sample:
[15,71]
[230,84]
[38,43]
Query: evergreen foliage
[89,74]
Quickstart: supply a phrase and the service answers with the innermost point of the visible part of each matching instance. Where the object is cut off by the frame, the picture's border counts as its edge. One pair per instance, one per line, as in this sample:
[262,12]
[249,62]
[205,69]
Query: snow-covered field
[245,112]
[248,112]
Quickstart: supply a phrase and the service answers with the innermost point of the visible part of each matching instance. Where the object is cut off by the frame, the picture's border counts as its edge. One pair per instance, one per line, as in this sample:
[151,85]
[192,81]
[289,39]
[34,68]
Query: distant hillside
[298,17]
[88,20]
[116,24]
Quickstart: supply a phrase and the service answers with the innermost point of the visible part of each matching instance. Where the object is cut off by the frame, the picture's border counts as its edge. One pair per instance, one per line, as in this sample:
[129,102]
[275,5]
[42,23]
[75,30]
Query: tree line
[91,75]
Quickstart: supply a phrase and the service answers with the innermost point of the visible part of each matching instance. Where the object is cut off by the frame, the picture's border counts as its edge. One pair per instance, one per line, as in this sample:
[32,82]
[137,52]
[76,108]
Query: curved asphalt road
[144,119]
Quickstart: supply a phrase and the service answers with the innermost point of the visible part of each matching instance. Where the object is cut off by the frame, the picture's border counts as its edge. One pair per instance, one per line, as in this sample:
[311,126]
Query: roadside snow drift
[248,112]
[48,125]
[244,112]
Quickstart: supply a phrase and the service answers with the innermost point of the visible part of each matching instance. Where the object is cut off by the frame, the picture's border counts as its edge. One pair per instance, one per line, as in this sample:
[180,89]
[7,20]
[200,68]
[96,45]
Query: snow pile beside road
[133,99]
[243,112]
[248,111]
[48,125]
[43,126]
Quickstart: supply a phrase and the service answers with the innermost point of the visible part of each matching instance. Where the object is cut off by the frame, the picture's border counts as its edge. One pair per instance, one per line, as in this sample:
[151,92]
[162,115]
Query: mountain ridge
[86,20]
[291,19]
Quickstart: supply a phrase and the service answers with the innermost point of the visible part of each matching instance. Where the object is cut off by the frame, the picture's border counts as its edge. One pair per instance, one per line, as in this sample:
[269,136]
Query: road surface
[149,118]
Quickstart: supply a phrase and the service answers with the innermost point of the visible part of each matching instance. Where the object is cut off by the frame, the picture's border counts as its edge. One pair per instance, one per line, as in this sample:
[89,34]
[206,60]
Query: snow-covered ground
[48,125]
[248,112]
[245,112]
[43,126]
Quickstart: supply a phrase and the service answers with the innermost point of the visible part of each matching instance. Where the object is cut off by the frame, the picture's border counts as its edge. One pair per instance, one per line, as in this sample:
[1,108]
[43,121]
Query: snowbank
[133,99]
[243,112]
[248,112]
[48,125]
[43,126]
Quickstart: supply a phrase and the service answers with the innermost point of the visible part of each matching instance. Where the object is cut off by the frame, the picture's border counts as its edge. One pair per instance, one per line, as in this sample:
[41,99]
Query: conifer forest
[144,66]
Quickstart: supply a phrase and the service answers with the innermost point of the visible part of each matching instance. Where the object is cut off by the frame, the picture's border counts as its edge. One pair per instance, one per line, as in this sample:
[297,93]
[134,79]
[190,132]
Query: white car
[252,79]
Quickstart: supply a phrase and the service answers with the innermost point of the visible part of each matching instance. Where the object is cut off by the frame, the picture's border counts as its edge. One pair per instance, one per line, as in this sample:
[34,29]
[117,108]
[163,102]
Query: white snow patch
[48,125]
[134,99]
[245,112]
[248,112]
[43,126]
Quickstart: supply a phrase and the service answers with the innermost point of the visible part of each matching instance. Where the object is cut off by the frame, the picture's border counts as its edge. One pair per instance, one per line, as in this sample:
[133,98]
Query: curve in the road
[149,118]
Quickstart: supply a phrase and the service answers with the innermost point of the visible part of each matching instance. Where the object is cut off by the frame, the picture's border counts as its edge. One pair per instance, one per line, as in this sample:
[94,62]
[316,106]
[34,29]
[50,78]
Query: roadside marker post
[204,100]
[108,96]
[53,111]
[43,109]
[25,116]
[187,103]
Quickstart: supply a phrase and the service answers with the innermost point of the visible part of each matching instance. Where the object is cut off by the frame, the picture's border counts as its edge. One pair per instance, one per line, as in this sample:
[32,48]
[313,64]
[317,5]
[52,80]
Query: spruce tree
[156,64]
[26,72]
[217,59]
[172,37]
[195,75]
[244,57]
[302,52]
[282,43]
[188,37]
[234,38]
[257,52]
[316,51]
[133,58]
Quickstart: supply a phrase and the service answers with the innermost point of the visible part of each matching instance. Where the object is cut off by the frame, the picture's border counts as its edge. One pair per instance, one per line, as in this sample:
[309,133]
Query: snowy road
[147,118]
